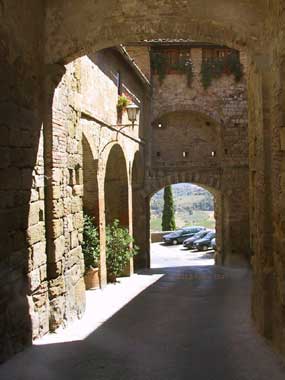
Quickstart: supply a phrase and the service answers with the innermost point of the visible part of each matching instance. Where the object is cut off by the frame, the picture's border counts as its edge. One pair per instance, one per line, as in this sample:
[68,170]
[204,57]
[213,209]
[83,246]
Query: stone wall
[36,37]
[202,134]
[23,285]
[84,123]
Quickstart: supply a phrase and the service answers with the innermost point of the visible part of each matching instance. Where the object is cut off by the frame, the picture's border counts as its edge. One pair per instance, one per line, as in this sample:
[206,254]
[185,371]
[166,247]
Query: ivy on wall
[215,68]
[160,65]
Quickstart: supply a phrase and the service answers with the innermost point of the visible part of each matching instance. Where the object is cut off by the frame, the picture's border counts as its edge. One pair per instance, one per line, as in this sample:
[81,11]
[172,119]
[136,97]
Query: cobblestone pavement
[177,323]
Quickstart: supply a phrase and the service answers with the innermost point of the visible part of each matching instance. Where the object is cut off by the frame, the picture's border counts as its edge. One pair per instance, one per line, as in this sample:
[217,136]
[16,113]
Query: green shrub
[168,214]
[123,101]
[91,243]
[215,68]
[118,249]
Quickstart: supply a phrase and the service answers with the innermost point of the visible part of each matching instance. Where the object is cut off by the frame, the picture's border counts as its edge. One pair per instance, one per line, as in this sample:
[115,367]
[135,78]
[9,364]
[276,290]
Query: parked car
[213,244]
[205,243]
[189,243]
[178,237]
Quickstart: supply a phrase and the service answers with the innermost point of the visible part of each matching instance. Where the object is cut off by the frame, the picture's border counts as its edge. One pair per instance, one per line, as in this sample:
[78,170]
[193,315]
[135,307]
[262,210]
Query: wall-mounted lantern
[133,111]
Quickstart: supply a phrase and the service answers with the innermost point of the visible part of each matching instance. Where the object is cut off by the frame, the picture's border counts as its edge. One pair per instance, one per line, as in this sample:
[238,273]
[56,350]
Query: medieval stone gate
[41,152]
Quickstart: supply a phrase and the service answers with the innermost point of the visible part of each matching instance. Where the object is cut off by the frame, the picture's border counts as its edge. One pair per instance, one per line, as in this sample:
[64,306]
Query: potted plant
[119,250]
[122,103]
[91,253]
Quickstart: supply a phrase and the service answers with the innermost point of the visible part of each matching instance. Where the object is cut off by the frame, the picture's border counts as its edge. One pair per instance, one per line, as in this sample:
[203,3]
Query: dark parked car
[178,237]
[213,244]
[189,243]
[205,243]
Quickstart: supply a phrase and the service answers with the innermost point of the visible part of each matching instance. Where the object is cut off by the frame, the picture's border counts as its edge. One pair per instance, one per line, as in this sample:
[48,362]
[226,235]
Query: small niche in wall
[78,175]
[158,154]
[41,215]
[70,179]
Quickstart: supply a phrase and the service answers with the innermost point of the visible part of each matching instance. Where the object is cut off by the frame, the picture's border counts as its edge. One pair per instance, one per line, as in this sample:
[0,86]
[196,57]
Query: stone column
[141,229]
[261,226]
[64,214]
[102,225]
[130,267]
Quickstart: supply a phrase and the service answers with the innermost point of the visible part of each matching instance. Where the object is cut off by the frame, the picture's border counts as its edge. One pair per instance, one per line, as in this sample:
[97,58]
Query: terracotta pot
[91,278]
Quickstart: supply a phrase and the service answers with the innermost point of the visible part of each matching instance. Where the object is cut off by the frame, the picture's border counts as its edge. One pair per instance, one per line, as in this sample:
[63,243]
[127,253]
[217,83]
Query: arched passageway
[116,187]
[38,69]
[194,210]
[90,181]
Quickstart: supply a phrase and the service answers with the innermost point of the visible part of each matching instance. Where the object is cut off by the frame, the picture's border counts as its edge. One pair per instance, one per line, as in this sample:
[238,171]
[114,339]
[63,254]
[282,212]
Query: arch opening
[90,181]
[116,187]
[190,242]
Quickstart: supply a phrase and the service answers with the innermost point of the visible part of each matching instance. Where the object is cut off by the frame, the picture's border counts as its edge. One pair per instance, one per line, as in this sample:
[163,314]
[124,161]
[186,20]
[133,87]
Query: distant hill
[193,206]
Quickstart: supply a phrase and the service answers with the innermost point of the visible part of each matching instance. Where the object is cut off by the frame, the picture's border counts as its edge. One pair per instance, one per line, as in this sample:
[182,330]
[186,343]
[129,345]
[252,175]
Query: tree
[168,219]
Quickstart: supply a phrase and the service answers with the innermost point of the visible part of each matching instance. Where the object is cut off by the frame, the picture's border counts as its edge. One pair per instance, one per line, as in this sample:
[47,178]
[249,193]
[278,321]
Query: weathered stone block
[34,214]
[34,279]
[58,209]
[59,248]
[56,287]
[57,227]
[36,233]
[39,254]
[56,192]
[56,312]
[74,239]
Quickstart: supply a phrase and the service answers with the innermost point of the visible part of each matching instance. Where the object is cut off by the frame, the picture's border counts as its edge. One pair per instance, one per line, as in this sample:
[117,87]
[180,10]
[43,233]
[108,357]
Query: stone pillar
[129,271]
[64,214]
[102,225]
[232,218]
[236,229]
[260,80]
[141,228]
[218,207]
[23,285]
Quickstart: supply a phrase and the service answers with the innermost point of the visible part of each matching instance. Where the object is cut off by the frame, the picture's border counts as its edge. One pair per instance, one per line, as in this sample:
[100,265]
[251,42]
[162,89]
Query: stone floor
[189,321]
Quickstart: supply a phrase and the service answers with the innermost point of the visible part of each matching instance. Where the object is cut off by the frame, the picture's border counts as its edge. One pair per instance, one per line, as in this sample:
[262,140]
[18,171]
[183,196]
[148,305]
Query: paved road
[165,256]
[192,323]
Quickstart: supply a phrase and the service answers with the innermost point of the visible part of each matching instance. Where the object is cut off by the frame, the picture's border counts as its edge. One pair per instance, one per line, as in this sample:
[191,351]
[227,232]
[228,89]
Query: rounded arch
[226,22]
[212,116]
[116,187]
[90,180]
[138,170]
[209,181]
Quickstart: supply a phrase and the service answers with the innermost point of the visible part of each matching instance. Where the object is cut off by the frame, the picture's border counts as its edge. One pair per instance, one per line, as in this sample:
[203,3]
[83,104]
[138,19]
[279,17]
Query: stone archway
[231,211]
[90,181]
[116,187]
[211,183]
[133,21]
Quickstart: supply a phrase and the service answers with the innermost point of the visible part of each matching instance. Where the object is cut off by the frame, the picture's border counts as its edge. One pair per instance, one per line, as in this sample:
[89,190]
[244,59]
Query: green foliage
[168,218]
[119,249]
[123,101]
[193,206]
[215,68]
[160,64]
[91,243]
